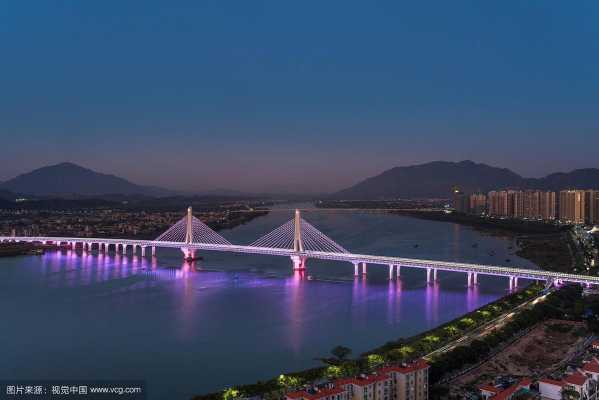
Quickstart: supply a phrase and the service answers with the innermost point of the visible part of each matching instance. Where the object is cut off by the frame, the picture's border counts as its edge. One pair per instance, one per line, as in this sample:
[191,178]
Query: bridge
[300,241]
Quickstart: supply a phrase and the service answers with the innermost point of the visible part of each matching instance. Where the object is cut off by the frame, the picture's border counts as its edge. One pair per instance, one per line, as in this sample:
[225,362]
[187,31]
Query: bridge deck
[348,257]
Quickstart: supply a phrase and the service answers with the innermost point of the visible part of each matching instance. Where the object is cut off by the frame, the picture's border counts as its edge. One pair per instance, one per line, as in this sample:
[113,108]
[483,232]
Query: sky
[305,96]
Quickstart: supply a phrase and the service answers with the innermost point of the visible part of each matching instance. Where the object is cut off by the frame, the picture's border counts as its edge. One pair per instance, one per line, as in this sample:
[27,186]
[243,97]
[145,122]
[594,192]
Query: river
[241,318]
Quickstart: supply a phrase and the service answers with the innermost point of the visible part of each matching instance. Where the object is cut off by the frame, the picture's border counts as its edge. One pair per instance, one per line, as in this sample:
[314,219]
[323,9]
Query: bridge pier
[153,251]
[390,272]
[299,263]
[428,275]
[143,251]
[475,278]
[188,254]
[511,278]
[469,279]
[515,282]
[364,270]
[124,248]
[435,275]
[356,268]
[397,271]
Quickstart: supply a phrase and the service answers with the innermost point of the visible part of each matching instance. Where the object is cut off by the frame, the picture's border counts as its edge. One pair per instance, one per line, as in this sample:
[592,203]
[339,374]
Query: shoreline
[543,244]
[548,246]
[23,249]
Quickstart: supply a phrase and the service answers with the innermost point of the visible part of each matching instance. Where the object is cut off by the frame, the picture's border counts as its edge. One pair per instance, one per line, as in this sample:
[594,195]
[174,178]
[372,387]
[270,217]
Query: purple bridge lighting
[300,241]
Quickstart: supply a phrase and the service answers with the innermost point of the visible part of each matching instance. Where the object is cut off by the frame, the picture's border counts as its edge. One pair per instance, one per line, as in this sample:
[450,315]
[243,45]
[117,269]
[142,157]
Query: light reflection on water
[231,318]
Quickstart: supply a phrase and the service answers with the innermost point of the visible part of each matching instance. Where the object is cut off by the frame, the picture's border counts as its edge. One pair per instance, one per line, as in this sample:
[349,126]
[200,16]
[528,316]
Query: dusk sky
[302,96]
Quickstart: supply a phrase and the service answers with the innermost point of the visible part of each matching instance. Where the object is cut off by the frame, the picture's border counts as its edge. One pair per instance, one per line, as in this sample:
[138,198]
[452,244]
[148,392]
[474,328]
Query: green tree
[568,393]
[230,394]
[286,381]
[375,361]
[333,372]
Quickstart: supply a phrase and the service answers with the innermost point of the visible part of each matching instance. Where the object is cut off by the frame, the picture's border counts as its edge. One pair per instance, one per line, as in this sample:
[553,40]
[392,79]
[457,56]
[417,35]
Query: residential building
[478,203]
[579,382]
[372,387]
[591,368]
[401,382]
[330,393]
[491,392]
[516,198]
[572,206]
[460,201]
[499,203]
[409,381]
[547,206]
[591,206]
[530,204]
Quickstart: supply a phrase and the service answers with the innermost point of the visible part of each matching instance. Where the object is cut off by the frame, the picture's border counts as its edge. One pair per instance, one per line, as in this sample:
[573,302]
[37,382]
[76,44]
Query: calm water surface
[242,318]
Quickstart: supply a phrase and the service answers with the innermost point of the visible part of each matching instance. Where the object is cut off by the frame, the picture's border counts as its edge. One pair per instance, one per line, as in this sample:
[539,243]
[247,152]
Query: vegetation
[406,349]
[394,351]
[560,304]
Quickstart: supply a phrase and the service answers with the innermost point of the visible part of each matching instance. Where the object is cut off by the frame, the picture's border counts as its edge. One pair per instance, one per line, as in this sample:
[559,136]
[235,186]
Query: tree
[286,381]
[333,372]
[341,352]
[375,361]
[230,394]
[568,393]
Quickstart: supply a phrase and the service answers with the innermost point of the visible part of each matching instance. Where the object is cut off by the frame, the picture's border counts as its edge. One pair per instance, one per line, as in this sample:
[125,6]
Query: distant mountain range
[436,179]
[71,180]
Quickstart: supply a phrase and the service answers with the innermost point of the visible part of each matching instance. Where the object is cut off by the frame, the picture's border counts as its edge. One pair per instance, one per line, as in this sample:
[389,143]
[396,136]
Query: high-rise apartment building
[591,206]
[460,201]
[572,206]
[478,203]
[531,204]
[516,198]
[547,205]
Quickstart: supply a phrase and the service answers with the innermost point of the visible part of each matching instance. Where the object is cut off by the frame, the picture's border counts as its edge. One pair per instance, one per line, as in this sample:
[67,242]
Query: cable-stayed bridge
[300,241]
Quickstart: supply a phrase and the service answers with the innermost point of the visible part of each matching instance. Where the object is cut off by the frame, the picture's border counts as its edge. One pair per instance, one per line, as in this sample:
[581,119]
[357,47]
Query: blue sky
[314,96]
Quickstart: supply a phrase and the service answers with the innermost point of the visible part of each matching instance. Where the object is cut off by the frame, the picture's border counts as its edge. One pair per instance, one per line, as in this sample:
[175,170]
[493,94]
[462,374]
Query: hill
[587,178]
[436,179]
[67,179]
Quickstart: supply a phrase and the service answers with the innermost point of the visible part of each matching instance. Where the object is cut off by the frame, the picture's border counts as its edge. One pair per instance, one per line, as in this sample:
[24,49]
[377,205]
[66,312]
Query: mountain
[67,179]
[587,178]
[8,196]
[436,179]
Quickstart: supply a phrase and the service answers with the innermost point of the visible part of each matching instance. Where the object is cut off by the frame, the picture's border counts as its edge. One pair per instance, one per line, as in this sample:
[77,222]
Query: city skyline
[265,96]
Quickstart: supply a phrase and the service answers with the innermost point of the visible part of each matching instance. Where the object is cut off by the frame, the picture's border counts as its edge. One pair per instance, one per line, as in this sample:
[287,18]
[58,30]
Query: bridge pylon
[299,262]
[188,254]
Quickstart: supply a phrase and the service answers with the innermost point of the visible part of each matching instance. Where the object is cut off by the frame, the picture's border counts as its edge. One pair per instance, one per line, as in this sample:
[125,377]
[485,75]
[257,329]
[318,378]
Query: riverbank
[397,351]
[236,218]
[21,249]
[548,246]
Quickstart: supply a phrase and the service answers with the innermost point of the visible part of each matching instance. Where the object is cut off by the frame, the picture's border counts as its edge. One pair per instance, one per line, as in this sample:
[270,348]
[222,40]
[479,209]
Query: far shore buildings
[567,206]
[401,382]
